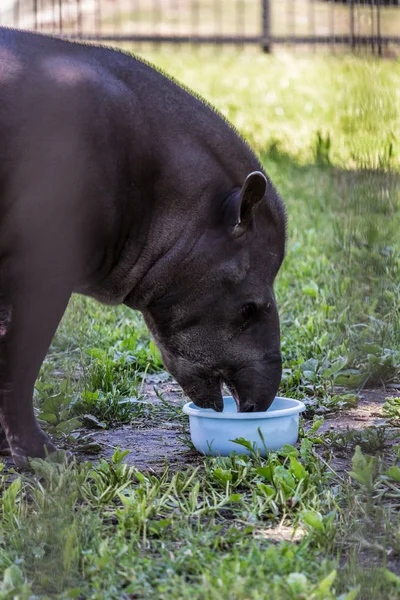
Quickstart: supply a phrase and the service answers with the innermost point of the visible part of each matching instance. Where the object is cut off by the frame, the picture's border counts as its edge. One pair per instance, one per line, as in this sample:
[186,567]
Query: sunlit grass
[327,132]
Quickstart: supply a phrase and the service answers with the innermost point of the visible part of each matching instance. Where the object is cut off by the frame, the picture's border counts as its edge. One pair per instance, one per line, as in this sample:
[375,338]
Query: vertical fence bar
[311,20]
[97,17]
[116,20]
[266,26]
[155,18]
[360,16]
[60,16]
[240,21]
[66,18]
[352,33]
[372,15]
[292,14]
[178,13]
[53,16]
[217,17]
[195,18]
[378,27]
[35,14]
[16,14]
[368,22]
[332,24]
[79,17]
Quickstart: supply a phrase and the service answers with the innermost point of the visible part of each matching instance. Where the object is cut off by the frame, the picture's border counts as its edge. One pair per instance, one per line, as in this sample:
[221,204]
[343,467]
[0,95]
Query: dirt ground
[151,445]
[154,445]
[165,439]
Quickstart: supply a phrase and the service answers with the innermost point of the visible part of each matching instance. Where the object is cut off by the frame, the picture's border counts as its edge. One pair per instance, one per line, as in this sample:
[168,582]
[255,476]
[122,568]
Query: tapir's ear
[251,194]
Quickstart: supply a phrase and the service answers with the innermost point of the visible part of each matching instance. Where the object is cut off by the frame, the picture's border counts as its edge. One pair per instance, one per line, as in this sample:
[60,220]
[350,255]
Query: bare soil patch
[154,443]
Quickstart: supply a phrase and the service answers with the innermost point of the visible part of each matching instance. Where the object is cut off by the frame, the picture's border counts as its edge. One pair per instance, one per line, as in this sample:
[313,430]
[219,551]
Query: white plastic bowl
[212,432]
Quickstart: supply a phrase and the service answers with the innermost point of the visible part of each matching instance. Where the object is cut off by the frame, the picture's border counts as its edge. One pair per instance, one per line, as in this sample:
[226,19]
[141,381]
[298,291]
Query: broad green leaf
[157,527]
[305,448]
[351,378]
[243,442]
[54,404]
[363,467]
[371,348]
[311,289]
[92,421]
[50,418]
[310,365]
[337,366]
[393,473]
[325,585]
[69,426]
[140,477]
[9,500]
[90,397]
[265,489]
[298,583]
[235,497]
[391,577]
[346,400]
[266,472]
[317,423]
[222,475]
[12,578]
[313,519]
[97,353]
[119,455]
[288,450]
[352,595]
[391,407]
[297,469]
[283,478]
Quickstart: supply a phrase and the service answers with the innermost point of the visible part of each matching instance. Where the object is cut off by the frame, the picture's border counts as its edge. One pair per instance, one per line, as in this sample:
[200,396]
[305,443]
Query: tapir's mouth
[242,404]
[232,390]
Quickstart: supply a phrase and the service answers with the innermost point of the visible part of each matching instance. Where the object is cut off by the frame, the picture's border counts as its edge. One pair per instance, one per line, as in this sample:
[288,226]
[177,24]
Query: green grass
[109,531]
[327,131]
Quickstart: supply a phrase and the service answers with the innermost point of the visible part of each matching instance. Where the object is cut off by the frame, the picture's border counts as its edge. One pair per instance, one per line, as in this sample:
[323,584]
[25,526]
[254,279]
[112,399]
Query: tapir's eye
[249,311]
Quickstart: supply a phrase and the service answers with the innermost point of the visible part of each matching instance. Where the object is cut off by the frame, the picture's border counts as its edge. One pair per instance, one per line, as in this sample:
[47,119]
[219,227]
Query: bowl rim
[268,414]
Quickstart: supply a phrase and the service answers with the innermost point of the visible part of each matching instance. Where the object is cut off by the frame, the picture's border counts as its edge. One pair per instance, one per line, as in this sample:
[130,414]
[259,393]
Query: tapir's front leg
[34,305]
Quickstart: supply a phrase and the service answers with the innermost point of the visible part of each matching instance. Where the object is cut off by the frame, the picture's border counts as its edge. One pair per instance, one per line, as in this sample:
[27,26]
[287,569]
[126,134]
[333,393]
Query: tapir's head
[219,321]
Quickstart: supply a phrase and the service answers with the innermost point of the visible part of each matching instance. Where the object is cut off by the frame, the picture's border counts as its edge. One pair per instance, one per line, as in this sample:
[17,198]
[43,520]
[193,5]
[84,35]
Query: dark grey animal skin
[117,183]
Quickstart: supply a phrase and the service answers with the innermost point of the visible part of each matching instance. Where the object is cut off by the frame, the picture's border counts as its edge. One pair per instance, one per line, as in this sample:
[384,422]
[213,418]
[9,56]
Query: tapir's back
[146,95]
[110,122]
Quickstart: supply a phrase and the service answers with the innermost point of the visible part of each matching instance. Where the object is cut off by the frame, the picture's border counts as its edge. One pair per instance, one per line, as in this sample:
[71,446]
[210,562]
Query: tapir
[120,184]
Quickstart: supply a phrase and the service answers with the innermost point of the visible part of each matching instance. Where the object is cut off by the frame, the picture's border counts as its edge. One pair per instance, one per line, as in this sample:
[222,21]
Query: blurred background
[265,23]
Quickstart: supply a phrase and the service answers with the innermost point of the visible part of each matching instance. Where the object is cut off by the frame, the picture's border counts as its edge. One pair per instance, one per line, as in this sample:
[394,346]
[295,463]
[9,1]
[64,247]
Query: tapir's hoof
[38,447]
[22,461]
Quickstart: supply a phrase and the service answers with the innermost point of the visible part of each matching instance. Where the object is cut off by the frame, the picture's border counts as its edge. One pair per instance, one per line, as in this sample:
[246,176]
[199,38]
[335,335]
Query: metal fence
[371,24]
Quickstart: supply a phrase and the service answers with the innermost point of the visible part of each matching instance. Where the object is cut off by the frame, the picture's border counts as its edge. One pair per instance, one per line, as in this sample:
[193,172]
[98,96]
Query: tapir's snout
[254,387]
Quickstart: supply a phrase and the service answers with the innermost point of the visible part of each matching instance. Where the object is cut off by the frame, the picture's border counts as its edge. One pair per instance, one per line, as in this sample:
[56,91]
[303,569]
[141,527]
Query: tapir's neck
[153,237]
[182,161]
